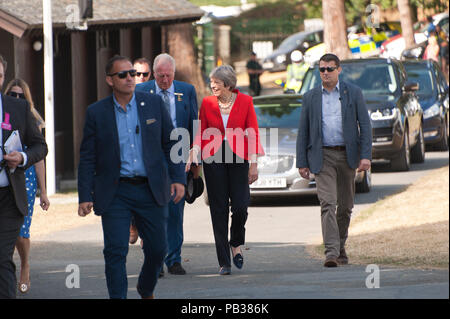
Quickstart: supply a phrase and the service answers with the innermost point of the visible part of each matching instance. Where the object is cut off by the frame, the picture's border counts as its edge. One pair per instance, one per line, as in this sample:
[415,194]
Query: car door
[412,107]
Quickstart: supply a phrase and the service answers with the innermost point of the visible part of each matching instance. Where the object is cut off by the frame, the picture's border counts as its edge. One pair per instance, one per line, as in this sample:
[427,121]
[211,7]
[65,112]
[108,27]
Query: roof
[20,13]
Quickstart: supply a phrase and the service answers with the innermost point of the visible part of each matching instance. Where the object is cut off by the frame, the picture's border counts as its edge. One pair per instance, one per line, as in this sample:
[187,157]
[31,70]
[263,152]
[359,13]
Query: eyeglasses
[145,74]
[123,74]
[329,69]
[17,95]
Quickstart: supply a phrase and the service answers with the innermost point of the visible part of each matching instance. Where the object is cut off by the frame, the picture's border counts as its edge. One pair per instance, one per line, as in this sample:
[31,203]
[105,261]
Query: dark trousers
[174,232]
[225,182]
[136,200]
[10,222]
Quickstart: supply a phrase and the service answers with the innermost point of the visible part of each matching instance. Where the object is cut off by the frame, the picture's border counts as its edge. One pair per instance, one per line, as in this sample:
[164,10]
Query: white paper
[13,143]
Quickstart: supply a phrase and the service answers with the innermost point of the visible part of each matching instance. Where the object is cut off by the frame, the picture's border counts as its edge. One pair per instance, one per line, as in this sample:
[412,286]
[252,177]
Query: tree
[406,22]
[335,28]
[180,44]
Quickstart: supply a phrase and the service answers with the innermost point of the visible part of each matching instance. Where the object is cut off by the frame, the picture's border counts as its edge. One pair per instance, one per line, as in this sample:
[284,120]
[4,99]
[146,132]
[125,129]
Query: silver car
[278,120]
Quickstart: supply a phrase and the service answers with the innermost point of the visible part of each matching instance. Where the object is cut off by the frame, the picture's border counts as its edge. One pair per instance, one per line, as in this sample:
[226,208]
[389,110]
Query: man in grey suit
[334,139]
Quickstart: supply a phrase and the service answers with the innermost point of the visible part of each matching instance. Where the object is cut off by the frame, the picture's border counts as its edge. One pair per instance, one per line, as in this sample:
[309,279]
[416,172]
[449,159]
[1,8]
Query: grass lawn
[409,229]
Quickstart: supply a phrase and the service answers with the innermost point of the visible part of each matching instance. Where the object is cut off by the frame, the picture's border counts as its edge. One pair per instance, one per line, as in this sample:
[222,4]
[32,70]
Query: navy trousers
[151,219]
[175,232]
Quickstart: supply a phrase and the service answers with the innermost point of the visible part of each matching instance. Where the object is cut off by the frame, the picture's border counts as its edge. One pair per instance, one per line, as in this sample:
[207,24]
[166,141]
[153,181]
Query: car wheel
[366,183]
[418,151]
[403,161]
[442,145]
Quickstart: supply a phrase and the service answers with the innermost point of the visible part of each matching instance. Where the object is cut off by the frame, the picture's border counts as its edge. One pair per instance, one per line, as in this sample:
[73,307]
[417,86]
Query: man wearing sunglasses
[143,73]
[125,170]
[334,139]
[180,99]
[15,114]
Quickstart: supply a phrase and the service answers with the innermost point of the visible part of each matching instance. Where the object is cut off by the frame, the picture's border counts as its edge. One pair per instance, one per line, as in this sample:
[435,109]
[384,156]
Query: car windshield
[291,42]
[280,114]
[373,79]
[423,76]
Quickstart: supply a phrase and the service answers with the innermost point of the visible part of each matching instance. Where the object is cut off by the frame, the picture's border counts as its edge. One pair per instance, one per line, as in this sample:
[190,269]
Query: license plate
[269,183]
[268,65]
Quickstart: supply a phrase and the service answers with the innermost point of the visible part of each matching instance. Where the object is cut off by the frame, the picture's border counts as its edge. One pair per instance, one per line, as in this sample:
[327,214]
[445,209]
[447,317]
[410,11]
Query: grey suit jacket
[356,127]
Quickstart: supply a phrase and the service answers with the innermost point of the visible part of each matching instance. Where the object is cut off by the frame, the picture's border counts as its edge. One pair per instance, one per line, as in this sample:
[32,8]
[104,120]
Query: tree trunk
[335,28]
[180,45]
[406,22]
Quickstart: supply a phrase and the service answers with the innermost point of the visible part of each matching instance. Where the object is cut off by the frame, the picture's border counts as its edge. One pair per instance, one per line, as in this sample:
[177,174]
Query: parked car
[394,108]
[280,58]
[278,118]
[434,99]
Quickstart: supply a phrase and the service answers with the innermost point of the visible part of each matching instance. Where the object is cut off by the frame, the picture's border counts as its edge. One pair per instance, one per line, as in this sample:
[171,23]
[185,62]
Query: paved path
[276,264]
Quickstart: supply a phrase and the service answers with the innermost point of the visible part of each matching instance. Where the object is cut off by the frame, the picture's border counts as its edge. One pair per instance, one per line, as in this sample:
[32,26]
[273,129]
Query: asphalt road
[276,265]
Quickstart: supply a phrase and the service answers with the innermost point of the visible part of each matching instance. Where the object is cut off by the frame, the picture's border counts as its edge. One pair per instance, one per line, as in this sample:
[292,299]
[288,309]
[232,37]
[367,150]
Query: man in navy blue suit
[180,100]
[125,170]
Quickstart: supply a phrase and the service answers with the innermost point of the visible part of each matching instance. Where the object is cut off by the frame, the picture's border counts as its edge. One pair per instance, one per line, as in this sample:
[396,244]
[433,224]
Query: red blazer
[242,128]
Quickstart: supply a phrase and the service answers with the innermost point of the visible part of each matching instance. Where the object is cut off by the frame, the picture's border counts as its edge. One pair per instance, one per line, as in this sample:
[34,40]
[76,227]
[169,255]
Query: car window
[372,79]
[291,42]
[278,114]
[310,81]
[424,77]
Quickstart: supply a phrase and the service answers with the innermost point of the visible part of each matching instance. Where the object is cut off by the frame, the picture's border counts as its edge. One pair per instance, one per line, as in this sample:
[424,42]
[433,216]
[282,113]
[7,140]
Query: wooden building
[134,28]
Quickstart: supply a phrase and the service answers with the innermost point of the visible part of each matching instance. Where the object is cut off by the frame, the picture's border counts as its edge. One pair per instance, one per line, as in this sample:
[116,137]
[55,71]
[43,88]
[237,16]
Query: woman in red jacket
[228,141]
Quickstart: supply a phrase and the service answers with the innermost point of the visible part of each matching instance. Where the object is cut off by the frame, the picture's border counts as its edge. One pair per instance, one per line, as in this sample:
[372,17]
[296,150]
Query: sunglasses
[145,74]
[123,74]
[329,69]
[17,95]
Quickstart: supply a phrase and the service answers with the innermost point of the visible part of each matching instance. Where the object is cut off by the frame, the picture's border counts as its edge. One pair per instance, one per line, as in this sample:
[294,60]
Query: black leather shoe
[176,269]
[238,261]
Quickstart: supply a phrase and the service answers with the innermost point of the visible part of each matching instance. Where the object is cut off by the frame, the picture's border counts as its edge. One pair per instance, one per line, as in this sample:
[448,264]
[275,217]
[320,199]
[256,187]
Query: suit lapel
[317,102]
[179,105]
[111,118]
[6,108]
[143,114]
[344,98]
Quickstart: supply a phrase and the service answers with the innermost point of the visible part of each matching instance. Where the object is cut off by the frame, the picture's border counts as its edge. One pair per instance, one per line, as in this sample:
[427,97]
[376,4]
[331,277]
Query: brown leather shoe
[342,259]
[330,262]
[133,234]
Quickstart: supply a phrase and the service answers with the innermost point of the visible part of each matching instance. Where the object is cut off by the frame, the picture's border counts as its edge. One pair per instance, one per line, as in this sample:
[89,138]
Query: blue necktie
[166,100]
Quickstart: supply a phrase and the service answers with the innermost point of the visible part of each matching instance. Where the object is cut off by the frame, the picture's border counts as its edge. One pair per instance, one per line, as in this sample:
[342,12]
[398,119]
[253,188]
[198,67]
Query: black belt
[135,180]
[336,148]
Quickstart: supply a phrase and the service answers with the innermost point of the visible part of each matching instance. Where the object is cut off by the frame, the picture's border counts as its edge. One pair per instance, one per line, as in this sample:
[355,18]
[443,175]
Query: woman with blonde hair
[18,88]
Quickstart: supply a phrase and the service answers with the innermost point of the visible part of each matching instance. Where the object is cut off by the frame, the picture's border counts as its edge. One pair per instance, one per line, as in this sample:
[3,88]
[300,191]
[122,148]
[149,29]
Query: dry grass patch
[410,228]
[62,215]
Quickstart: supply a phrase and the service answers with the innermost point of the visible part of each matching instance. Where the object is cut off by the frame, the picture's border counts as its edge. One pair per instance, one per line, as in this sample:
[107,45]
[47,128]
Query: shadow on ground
[271,271]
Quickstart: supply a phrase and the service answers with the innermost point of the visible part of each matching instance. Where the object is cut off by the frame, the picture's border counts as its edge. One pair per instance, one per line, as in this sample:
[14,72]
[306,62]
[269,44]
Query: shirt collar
[131,103]
[335,89]
[171,90]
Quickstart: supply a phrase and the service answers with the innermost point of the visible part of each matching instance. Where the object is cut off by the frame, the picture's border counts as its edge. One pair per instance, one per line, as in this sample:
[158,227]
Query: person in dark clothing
[254,70]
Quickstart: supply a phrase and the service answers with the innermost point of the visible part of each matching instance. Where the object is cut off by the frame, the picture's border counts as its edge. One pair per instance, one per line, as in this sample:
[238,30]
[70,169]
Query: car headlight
[431,111]
[281,58]
[384,114]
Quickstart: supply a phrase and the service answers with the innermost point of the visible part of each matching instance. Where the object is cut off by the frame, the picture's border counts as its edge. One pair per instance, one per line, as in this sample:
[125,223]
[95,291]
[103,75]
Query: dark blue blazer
[185,103]
[356,124]
[99,168]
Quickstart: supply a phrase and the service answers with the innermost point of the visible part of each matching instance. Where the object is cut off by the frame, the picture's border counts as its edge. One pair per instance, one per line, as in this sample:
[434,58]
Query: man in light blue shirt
[130,141]
[333,134]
